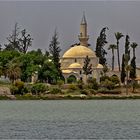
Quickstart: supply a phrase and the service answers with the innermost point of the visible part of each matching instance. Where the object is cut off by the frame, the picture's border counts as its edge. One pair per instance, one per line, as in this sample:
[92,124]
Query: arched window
[71,79]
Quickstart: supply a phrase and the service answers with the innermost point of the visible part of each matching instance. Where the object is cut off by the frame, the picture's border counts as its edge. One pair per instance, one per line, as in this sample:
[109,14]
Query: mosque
[72,61]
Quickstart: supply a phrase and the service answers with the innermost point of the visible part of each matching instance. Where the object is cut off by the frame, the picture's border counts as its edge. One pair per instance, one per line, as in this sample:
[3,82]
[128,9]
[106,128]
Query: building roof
[66,71]
[74,66]
[79,51]
[100,66]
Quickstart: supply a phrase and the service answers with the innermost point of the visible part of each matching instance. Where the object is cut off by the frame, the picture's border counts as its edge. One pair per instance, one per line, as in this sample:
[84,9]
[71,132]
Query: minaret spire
[83,37]
[84,19]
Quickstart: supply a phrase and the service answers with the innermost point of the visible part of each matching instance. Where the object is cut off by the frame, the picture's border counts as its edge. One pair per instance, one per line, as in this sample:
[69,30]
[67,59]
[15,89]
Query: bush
[55,90]
[115,79]
[92,91]
[102,90]
[80,84]
[14,90]
[92,83]
[72,87]
[103,78]
[108,84]
[85,92]
[38,88]
[19,84]
[106,91]
[18,88]
[60,83]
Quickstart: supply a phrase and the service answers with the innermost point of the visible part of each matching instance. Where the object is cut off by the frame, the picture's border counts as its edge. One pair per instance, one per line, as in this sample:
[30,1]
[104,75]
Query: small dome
[74,65]
[66,71]
[79,51]
[100,66]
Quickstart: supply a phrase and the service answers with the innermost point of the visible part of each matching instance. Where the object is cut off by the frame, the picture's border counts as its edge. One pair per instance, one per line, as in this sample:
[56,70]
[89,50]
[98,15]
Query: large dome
[79,51]
[74,65]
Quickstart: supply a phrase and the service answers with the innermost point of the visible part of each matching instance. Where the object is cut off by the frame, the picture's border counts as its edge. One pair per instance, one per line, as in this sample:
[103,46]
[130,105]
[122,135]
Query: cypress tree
[54,49]
[100,51]
[87,68]
[133,68]
[127,58]
[123,72]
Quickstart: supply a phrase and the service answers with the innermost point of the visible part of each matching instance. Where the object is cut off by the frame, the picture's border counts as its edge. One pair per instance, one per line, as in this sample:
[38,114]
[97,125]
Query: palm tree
[13,71]
[112,47]
[133,46]
[118,36]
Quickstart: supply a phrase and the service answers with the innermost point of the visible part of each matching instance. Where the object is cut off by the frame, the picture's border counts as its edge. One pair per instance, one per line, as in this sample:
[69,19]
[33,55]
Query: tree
[87,68]
[25,41]
[123,72]
[13,71]
[54,49]
[112,47]
[19,40]
[133,68]
[5,58]
[127,58]
[13,39]
[134,46]
[118,36]
[100,51]
[133,65]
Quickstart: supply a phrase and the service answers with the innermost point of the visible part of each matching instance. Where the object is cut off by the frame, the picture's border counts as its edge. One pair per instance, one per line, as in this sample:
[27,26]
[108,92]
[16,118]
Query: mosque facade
[72,61]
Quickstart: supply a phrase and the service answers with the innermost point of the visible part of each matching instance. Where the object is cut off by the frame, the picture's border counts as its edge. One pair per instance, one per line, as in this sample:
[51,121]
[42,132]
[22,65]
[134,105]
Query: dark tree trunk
[112,59]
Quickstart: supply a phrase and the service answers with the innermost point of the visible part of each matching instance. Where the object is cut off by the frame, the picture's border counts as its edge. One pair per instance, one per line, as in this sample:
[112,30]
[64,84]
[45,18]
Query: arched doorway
[71,79]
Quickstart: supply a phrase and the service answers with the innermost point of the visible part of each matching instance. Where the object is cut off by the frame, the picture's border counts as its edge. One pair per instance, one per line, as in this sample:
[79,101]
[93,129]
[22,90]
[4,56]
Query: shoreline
[72,97]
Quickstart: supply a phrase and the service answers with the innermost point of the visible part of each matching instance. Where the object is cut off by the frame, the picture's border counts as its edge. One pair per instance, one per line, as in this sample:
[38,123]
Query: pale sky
[41,18]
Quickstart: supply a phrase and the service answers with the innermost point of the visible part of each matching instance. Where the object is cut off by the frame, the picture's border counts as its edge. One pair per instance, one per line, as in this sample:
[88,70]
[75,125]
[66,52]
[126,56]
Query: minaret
[83,37]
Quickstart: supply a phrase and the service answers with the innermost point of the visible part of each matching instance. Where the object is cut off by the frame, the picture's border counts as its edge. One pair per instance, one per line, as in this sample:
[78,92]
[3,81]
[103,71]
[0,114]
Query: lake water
[74,119]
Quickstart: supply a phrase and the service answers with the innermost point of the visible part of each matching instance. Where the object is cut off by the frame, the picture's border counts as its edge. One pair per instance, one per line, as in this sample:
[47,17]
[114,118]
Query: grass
[4,98]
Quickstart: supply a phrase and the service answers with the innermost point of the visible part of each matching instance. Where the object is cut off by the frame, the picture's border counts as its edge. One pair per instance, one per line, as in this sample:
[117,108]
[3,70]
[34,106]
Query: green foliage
[13,71]
[103,78]
[92,91]
[118,36]
[123,72]
[54,49]
[72,87]
[87,68]
[80,84]
[60,83]
[100,51]
[38,88]
[108,84]
[133,68]
[107,91]
[18,88]
[55,90]
[112,47]
[134,46]
[105,69]
[92,83]
[115,79]
[85,92]
[14,90]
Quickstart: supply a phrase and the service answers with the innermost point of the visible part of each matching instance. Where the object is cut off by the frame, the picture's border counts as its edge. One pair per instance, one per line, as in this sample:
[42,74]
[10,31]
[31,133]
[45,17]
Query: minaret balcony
[82,37]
